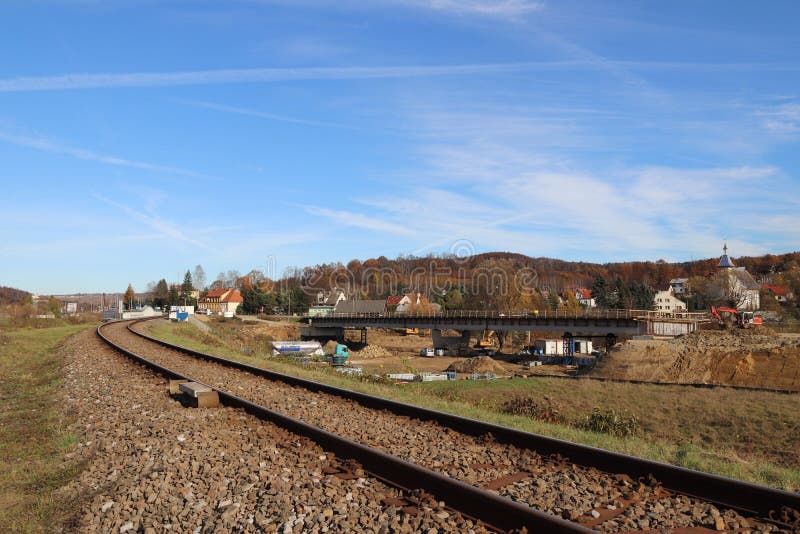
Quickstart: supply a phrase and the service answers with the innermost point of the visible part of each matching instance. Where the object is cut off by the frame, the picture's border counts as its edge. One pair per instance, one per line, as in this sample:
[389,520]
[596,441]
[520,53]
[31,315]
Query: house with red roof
[410,302]
[781,293]
[584,297]
[221,300]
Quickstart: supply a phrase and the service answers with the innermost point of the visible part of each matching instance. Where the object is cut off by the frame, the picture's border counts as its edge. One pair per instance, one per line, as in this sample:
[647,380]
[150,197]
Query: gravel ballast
[153,465]
[575,493]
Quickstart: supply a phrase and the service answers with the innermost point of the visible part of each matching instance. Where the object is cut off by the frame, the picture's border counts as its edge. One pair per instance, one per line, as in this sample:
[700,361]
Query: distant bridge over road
[590,323]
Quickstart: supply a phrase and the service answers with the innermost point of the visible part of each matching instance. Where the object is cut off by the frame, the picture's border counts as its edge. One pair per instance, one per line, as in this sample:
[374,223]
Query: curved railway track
[593,488]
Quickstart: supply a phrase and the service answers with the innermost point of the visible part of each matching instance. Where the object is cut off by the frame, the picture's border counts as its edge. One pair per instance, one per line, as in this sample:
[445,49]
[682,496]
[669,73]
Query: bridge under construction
[588,323]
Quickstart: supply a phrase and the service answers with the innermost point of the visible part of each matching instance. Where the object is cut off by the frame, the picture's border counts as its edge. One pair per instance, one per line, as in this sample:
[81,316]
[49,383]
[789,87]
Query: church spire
[725,262]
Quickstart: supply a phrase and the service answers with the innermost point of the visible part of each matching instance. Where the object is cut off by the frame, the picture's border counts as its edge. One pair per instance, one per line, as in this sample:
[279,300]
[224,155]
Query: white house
[666,301]
[331,298]
[403,302]
[679,285]
[584,297]
[735,284]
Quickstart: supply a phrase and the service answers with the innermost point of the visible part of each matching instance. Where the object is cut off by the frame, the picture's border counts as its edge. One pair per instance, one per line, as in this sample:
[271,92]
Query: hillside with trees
[11,295]
[495,280]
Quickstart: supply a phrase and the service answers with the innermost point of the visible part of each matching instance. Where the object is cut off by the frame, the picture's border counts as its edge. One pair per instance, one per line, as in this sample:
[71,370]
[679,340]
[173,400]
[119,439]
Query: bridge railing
[526,314]
[654,315]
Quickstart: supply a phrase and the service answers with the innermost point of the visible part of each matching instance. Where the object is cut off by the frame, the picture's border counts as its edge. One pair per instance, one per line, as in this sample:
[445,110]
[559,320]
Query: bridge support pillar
[450,342]
[322,332]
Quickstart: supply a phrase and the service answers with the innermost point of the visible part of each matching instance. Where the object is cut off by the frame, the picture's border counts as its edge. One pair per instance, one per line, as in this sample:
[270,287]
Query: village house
[666,301]
[331,298]
[221,300]
[679,286]
[781,293]
[584,298]
[402,303]
[411,302]
[734,286]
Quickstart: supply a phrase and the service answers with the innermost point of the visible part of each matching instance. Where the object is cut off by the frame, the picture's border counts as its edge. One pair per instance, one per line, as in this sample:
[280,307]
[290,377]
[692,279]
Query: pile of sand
[747,357]
[479,364]
[330,347]
[371,352]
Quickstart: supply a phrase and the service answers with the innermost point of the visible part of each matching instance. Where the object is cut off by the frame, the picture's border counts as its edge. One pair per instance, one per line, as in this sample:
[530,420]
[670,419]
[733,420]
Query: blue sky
[140,138]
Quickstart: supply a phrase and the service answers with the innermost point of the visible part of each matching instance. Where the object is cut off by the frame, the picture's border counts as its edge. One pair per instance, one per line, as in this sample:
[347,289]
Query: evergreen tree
[255,300]
[623,299]
[187,287]
[129,297]
[161,293]
[552,301]
[186,290]
[600,292]
[173,296]
[643,296]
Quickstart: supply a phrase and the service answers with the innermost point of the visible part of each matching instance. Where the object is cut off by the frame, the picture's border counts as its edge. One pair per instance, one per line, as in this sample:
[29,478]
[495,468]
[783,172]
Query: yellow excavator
[487,339]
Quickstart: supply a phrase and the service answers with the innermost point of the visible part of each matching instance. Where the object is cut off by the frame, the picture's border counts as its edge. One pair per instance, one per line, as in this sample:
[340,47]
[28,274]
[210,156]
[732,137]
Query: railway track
[419,485]
[594,489]
[149,465]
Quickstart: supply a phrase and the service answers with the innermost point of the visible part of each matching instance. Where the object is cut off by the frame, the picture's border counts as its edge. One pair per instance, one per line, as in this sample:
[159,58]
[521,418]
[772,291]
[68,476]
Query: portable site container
[550,347]
[408,377]
[482,376]
[583,346]
[434,377]
[352,371]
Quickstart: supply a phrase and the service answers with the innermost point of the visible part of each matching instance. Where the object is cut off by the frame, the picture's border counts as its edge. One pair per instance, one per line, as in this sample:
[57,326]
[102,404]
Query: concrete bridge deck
[586,323]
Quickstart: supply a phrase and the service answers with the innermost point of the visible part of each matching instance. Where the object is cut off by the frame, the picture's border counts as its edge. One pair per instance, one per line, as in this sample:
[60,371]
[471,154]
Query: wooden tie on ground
[200,395]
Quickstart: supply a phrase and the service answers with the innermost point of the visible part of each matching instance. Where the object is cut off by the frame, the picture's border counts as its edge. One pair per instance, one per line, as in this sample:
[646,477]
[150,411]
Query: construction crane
[730,316]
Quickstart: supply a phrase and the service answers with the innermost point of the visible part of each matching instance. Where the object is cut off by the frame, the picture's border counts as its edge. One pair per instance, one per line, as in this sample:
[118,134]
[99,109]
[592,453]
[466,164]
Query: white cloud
[164,228]
[359,220]
[273,75]
[508,196]
[495,8]
[783,119]
[264,115]
[266,75]
[45,145]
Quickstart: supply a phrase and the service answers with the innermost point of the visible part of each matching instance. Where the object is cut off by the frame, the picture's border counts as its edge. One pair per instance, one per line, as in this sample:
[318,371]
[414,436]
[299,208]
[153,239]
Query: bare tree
[199,277]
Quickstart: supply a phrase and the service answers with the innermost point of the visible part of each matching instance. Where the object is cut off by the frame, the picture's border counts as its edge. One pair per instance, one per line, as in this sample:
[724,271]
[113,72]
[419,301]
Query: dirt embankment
[252,333]
[749,357]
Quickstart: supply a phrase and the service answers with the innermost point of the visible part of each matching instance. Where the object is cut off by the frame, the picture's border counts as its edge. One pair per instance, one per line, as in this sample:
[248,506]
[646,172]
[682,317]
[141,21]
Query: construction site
[753,357]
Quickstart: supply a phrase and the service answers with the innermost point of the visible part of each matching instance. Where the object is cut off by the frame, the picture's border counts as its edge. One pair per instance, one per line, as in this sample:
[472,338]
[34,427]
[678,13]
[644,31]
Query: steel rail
[475,503]
[754,499]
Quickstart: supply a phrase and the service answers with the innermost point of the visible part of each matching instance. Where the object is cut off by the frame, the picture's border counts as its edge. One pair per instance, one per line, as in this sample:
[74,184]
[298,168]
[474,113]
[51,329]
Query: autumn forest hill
[555,274]
[551,274]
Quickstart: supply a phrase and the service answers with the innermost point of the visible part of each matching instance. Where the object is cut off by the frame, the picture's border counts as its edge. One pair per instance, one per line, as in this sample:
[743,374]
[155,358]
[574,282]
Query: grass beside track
[33,435]
[749,436]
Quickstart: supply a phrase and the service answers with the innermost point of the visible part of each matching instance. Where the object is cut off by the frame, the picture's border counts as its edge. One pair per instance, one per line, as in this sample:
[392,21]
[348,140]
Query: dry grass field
[33,436]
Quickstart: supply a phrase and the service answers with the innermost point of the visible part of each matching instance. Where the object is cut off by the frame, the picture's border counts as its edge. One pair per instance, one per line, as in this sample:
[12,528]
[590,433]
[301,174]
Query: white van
[427,352]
